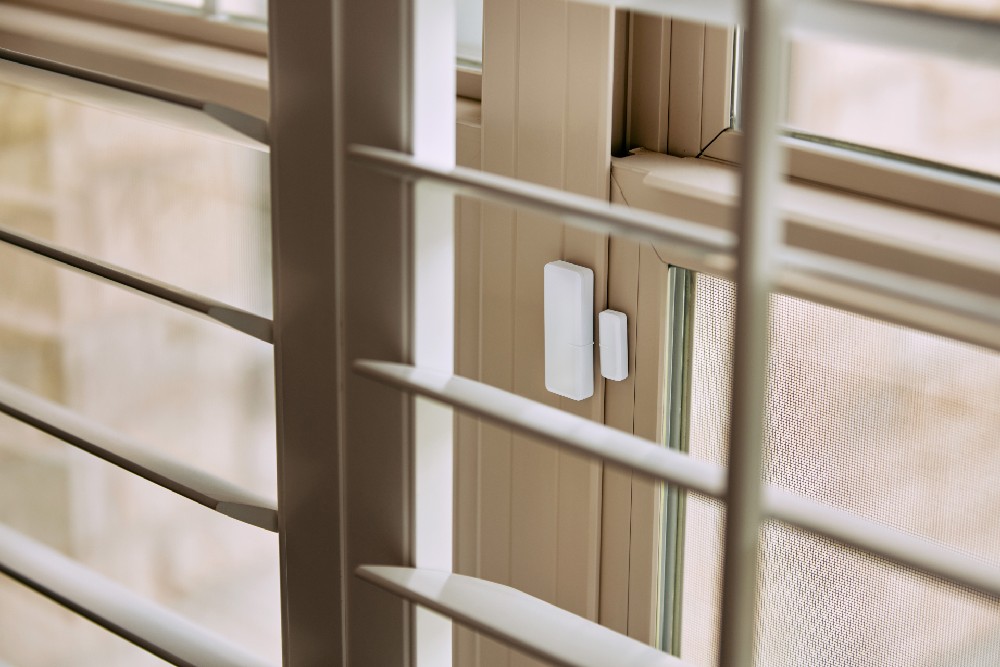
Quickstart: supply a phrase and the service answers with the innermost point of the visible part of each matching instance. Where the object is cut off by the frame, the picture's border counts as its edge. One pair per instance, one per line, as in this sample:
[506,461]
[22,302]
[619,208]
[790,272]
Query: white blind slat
[552,425]
[241,320]
[699,245]
[115,608]
[874,290]
[649,459]
[202,488]
[517,619]
[132,98]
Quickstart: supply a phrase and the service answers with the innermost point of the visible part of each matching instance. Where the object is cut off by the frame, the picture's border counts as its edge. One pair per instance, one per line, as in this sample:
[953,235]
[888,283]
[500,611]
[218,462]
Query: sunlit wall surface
[886,422]
[182,208]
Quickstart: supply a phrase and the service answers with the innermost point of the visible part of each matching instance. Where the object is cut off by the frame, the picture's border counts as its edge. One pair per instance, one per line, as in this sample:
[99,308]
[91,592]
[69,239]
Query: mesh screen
[890,423]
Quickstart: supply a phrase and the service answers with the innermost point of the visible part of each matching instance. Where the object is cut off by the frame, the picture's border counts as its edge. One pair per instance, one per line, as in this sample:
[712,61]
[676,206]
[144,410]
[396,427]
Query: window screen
[893,424]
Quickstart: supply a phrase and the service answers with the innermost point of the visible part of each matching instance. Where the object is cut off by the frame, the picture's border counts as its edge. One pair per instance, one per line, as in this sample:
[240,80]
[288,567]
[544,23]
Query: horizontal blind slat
[517,619]
[95,439]
[968,315]
[235,318]
[552,425]
[132,98]
[963,314]
[657,462]
[702,247]
[115,608]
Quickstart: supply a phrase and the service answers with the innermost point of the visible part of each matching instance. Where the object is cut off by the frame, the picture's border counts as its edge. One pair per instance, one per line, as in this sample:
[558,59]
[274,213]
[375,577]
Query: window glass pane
[254,9]
[180,207]
[892,424]
[470,31]
[926,107]
[930,108]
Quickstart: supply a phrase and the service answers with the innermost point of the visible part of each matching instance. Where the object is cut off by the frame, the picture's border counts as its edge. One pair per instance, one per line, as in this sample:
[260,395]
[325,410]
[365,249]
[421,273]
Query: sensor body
[569,330]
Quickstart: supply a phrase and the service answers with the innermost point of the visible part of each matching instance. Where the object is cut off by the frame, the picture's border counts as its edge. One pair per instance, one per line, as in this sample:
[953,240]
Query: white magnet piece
[569,330]
[613,339]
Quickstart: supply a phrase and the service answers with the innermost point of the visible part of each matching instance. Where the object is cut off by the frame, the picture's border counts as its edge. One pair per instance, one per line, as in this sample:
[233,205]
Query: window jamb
[680,78]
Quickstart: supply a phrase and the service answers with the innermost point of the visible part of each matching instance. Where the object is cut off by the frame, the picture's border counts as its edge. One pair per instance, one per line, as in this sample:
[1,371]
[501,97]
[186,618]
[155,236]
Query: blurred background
[183,208]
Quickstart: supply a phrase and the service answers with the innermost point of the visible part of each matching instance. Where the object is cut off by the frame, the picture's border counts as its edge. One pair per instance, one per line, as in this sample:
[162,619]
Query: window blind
[760,264]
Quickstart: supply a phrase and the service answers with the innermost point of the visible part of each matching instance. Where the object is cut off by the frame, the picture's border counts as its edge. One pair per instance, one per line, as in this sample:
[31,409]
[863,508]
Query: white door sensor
[612,327]
[569,330]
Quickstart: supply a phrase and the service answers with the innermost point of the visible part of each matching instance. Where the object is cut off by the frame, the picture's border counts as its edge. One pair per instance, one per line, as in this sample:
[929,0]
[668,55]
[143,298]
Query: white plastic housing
[612,327]
[569,330]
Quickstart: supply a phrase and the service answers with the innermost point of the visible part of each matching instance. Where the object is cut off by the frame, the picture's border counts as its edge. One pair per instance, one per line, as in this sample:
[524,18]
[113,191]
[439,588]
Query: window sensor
[613,339]
[569,330]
